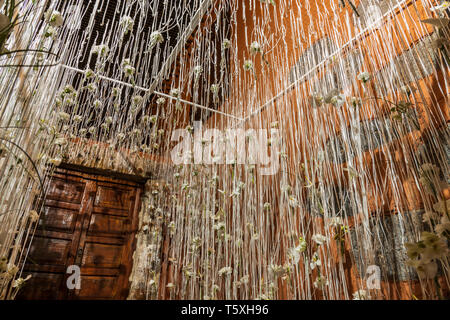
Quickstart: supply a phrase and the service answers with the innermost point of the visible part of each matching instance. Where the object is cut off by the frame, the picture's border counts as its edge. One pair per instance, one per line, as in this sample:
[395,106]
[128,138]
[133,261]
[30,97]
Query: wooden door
[90,222]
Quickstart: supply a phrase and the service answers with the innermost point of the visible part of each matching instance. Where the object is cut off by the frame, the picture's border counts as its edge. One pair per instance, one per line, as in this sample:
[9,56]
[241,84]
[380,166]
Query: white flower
[91,87]
[153,119]
[248,65]
[214,89]
[294,253]
[442,7]
[64,116]
[77,118]
[89,73]
[356,102]
[266,206]
[170,285]
[136,132]
[285,188]
[319,239]
[320,282]
[125,62]
[226,43]
[146,119]
[92,130]
[55,161]
[53,18]
[160,101]
[315,261]
[361,295]
[237,190]
[244,280]
[301,245]
[175,93]
[127,23]
[277,270]
[293,202]
[317,99]
[20,282]
[51,32]
[137,99]
[198,70]
[219,226]
[97,104]
[155,38]
[338,100]
[60,141]
[69,91]
[102,50]
[127,68]
[115,92]
[364,76]
[255,47]
[225,271]
[406,89]
[109,120]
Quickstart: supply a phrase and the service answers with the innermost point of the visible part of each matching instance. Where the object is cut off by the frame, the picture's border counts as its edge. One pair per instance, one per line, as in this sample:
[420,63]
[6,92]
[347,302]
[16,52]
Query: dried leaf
[437,22]
[4,22]
[439,43]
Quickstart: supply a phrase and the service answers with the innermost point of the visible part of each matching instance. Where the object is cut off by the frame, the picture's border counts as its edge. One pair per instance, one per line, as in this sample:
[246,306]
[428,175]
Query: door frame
[104,176]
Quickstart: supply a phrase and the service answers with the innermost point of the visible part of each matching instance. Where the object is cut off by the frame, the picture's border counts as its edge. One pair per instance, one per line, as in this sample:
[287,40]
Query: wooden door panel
[98,287]
[48,251]
[66,190]
[56,239]
[58,219]
[108,225]
[100,255]
[89,222]
[111,197]
[42,285]
[108,239]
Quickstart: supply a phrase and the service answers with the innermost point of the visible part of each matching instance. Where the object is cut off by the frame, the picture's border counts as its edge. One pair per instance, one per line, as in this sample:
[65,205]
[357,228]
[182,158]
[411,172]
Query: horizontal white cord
[155,92]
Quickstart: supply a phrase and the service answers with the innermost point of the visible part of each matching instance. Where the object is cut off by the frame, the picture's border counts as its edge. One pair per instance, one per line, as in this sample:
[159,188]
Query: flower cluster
[127,68]
[423,255]
[127,23]
[156,38]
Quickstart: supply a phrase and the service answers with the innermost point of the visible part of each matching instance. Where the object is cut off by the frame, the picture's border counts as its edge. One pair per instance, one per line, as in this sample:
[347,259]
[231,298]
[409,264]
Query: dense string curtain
[352,96]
